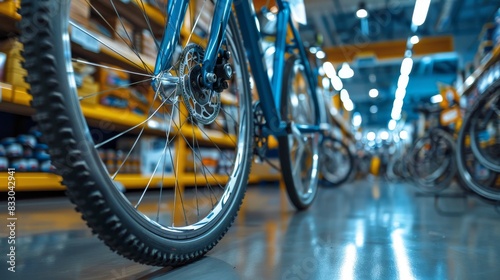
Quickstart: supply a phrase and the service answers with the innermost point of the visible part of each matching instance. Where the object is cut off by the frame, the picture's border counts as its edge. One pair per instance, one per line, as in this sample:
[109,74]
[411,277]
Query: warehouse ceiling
[390,20]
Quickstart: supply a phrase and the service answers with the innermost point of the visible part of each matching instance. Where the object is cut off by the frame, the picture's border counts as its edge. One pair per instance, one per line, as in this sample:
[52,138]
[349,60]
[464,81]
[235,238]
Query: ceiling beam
[389,49]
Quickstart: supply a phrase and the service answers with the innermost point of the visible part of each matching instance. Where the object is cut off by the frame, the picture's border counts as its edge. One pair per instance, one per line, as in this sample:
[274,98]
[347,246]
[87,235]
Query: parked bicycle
[477,146]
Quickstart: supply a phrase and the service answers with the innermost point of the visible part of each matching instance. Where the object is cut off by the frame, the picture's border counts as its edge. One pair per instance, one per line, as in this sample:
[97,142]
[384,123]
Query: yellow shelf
[254,178]
[493,57]
[126,119]
[38,181]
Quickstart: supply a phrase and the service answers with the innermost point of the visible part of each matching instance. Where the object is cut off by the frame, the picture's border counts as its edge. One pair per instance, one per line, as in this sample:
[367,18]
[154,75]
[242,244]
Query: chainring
[202,104]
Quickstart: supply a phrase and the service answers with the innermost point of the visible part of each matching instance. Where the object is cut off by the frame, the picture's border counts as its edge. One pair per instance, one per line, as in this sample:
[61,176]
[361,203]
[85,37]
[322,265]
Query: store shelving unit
[17,100]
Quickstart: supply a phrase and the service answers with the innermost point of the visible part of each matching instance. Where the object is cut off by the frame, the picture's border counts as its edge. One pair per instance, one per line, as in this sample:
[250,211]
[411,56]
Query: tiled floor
[368,229]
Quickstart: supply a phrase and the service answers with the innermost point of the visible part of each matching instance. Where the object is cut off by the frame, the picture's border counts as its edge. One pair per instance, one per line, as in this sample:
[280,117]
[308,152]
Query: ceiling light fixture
[403,81]
[357,119]
[344,95]
[320,54]
[373,93]
[436,98]
[384,135]
[329,69]
[392,124]
[348,105]
[403,134]
[420,12]
[406,66]
[370,136]
[326,83]
[337,83]
[346,72]
[362,12]
[414,40]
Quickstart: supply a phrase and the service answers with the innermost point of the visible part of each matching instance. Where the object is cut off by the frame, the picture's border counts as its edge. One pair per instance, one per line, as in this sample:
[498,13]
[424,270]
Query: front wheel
[432,161]
[298,152]
[474,174]
[337,161]
[186,203]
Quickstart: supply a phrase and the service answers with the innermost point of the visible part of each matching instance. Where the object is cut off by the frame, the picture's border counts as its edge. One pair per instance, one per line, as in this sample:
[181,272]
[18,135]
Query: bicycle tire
[301,186]
[328,161]
[120,225]
[483,188]
[489,159]
[441,178]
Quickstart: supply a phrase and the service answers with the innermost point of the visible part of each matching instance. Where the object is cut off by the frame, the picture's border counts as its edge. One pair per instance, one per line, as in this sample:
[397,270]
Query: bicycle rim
[186,201]
[298,152]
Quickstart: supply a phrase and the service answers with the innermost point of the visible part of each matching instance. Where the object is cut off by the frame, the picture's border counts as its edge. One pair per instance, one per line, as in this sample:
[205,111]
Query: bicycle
[189,94]
[431,157]
[477,159]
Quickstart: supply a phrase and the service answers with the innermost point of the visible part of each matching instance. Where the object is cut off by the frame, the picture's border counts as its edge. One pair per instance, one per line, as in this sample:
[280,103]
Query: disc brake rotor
[202,104]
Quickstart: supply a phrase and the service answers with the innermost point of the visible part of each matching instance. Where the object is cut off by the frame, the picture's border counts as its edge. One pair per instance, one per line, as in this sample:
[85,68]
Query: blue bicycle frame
[252,40]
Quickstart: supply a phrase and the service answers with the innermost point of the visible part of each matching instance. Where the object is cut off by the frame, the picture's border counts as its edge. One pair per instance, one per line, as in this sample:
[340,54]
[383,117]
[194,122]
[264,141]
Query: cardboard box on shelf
[80,12]
[124,32]
[148,44]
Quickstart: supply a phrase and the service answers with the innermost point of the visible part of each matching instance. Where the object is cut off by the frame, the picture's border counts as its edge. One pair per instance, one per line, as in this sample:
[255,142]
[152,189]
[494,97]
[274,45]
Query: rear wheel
[484,121]
[337,162]
[476,176]
[166,223]
[432,161]
[298,152]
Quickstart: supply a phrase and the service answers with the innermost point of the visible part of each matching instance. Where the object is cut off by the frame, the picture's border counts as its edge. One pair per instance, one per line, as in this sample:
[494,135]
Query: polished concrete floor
[367,229]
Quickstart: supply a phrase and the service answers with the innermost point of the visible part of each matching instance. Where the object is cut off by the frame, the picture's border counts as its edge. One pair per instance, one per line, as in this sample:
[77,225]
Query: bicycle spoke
[146,17]
[195,23]
[130,129]
[129,43]
[80,98]
[106,45]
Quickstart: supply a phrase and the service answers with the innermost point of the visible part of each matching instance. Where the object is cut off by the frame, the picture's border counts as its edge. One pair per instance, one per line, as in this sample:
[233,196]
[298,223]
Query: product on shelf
[3,59]
[14,72]
[114,85]
[80,12]
[25,153]
[148,44]
[10,7]
[3,159]
[87,86]
[124,32]
[154,157]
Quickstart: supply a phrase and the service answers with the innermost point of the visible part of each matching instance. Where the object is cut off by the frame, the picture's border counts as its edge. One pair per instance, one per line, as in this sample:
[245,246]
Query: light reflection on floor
[368,229]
